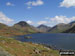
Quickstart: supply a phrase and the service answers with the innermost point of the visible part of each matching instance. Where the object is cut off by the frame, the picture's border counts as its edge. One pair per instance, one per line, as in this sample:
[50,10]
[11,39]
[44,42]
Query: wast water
[60,41]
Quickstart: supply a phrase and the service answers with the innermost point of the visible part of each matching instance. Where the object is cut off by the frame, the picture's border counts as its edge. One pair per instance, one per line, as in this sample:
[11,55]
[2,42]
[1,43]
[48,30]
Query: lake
[60,41]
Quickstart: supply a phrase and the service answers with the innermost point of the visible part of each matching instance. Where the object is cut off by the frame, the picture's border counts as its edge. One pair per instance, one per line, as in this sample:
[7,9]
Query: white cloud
[60,19]
[4,19]
[30,22]
[34,3]
[42,22]
[10,4]
[67,3]
[37,3]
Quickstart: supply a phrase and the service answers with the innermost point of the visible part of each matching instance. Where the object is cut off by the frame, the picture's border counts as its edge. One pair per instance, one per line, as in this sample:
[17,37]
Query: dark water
[60,41]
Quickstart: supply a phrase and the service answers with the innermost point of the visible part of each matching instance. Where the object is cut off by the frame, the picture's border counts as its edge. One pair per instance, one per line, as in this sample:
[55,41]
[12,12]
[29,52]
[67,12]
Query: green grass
[17,48]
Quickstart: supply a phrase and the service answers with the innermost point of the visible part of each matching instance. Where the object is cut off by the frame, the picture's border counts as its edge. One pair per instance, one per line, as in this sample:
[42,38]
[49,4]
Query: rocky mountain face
[59,28]
[72,23]
[24,27]
[72,29]
[22,24]
[43,28]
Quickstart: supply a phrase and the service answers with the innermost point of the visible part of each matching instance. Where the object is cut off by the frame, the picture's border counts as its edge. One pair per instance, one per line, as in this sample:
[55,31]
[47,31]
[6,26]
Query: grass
[4,53]
[17,48]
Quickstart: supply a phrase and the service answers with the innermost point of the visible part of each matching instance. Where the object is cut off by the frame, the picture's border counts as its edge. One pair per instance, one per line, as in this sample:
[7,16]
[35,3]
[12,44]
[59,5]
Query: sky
[37,12]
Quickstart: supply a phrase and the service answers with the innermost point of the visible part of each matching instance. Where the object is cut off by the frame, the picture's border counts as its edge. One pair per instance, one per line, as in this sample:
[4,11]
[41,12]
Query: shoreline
[54,47]
[51,47]
[45,45]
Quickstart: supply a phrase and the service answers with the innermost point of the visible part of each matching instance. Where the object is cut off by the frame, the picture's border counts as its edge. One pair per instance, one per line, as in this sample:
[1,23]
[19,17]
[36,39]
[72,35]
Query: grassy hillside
[24,27]
[3,52]
[17,48]
[59,28]
[15,30]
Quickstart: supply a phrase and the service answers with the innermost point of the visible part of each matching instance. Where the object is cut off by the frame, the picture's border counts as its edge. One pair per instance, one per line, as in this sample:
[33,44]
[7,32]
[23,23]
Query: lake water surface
[60,41]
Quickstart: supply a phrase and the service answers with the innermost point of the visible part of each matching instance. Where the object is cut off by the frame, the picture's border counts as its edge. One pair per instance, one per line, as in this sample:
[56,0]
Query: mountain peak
[23,23]
[43,28]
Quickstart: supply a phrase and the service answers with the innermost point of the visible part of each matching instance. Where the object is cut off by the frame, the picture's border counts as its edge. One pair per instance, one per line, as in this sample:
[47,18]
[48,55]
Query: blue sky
[36,12]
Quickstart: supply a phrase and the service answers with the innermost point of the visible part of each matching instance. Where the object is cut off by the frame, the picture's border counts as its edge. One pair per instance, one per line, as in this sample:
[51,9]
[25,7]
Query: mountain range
[20,28]
[59,28]
[63,28]
[23,27]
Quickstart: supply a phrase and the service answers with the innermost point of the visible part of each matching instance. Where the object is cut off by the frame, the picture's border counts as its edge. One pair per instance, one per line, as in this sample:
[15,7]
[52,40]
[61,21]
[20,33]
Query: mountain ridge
[22,28]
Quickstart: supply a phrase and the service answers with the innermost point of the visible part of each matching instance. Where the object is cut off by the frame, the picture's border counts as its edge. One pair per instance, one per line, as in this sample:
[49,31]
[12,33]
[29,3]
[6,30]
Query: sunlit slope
[20,28]
[17,48]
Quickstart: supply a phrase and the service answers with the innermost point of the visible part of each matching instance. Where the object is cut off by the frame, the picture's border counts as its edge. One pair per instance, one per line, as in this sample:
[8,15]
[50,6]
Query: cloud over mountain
[5,19]
[62,19]
[42,22]
[29,22]
[59,19]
